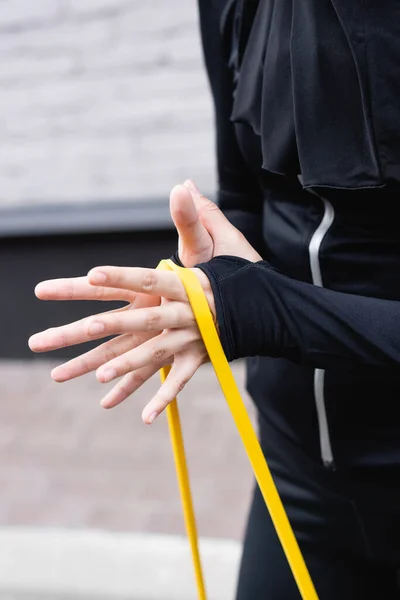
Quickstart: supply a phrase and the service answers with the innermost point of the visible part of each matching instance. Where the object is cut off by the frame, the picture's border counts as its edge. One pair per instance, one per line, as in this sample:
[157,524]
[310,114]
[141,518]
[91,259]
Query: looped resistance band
[250,442]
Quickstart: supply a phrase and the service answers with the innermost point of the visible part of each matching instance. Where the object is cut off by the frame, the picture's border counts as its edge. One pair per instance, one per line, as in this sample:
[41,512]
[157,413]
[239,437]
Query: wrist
[176,259]
[208,292]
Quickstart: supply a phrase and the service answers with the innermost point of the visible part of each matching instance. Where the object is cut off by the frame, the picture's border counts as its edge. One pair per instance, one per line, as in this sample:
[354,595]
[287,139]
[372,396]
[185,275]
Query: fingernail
[152,417]
[108,375]
[95,328]
[31,341]
[98,277]
[192,186]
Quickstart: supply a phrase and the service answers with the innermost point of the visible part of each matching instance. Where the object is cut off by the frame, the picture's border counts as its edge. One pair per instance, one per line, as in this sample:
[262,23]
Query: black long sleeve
[239,196]
[262,312]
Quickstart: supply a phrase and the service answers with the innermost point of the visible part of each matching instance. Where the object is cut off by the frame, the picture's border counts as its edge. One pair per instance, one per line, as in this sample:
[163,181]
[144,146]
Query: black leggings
[347,526]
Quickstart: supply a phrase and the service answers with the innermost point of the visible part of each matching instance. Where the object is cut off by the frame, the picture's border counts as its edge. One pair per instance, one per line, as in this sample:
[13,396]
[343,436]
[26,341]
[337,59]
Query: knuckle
[137,380]
[109,354]
[124,367]
[157,354]
[63,340]
[134,340]
[85,366]
[181,383]
[124,390]
[208,205]
[98,292]
[87,323]
[92,327]
[151,321]
[149,281]
[69,292]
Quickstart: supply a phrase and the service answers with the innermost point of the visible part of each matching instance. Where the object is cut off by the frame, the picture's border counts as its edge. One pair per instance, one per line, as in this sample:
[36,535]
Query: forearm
[262,312]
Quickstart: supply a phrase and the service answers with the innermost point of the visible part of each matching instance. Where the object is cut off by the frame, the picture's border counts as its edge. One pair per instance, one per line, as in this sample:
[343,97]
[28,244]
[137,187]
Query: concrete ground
[52,564]
[67,464]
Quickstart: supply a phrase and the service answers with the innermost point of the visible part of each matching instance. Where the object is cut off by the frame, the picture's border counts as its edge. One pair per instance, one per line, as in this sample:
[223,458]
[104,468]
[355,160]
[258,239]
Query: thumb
[208,212]
[195,243]
[226,237]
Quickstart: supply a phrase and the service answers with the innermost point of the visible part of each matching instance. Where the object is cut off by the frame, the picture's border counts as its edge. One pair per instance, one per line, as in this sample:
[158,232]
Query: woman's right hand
[204,232]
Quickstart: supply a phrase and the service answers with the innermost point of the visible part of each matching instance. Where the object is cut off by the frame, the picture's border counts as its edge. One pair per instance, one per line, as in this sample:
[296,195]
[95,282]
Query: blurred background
[104,106]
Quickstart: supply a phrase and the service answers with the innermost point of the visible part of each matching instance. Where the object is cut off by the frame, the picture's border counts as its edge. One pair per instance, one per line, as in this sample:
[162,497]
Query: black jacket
[351,326]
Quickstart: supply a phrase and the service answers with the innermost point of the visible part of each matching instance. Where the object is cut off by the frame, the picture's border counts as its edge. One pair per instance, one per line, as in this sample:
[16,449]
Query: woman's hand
[153,336]
[195,246]
[204,232]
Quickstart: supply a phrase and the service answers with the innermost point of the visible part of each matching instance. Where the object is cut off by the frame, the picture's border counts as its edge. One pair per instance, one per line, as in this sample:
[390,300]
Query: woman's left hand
[178,341]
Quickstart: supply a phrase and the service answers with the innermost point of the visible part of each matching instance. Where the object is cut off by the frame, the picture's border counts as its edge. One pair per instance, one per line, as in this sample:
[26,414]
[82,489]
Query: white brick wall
[101,99]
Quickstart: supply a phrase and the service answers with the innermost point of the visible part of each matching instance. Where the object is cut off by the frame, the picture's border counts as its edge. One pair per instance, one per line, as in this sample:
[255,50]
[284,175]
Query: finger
[194,239]
[201,202]
[79,288]
[92,360]
[169,315]
[78,332]
[181,372]
[144,300]
[153,352]
[146,281]
[128,385]
[227,239]
[67,335]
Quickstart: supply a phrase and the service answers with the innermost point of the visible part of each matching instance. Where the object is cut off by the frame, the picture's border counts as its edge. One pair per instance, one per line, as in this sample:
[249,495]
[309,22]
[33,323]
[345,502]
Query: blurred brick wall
[101,99]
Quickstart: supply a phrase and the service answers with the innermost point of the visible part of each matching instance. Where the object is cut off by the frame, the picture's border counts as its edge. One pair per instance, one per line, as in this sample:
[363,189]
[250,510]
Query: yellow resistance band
[246,431]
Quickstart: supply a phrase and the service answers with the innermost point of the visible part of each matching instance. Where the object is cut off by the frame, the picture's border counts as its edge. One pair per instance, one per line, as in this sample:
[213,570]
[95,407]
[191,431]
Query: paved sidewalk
[53,564]
[66,462]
